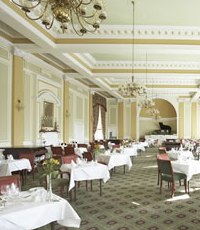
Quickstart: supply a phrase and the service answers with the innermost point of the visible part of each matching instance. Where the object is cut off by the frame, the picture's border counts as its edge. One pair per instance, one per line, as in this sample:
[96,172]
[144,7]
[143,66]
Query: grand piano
[165,129]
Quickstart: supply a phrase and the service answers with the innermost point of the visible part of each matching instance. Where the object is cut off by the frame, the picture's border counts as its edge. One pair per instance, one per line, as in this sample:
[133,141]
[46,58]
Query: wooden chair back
[67,159]
[8,180]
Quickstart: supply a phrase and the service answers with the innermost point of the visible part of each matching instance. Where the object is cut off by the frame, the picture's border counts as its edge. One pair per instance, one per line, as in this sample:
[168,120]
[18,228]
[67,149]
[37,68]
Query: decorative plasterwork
[142,32]
[168,65]
[46,95]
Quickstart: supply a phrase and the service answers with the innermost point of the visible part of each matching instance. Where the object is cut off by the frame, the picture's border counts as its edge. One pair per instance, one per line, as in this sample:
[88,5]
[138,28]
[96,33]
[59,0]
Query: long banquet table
[30,211]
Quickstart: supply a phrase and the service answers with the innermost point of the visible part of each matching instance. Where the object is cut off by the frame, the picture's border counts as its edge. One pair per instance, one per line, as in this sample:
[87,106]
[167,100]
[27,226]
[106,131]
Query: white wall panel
[5,97]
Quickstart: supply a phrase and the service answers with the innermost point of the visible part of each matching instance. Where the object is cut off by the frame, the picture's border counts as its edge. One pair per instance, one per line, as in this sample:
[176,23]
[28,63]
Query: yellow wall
[90,118]
[66,112]
[181,119]
[166,109]
[133,120]
[194,120]
[120,120]
[18,98]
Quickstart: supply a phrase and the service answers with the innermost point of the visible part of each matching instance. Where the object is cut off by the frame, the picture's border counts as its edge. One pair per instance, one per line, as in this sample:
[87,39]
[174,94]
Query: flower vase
[49,187]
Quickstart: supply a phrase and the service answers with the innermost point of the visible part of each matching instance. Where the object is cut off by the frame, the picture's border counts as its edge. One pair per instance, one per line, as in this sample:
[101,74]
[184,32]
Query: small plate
[36,189]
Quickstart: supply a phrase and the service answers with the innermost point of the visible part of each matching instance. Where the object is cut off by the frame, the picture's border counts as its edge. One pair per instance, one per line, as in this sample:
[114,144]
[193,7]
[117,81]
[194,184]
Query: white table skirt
[115,159]
[25,213]
[9,166]
[139,146]
[188,167]
[86,171]
[130,151]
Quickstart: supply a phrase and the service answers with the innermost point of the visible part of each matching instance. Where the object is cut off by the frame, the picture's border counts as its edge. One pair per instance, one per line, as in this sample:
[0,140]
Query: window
[99,132]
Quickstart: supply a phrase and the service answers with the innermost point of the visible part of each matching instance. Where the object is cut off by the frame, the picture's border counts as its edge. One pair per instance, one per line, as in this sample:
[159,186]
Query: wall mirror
[48,115]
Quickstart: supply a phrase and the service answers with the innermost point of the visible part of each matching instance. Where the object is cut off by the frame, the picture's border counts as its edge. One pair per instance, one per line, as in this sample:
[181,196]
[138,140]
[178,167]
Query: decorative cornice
[141,32]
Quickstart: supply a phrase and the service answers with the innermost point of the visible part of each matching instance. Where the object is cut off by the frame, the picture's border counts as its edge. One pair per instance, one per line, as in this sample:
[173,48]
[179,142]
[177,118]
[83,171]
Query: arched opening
[150,126]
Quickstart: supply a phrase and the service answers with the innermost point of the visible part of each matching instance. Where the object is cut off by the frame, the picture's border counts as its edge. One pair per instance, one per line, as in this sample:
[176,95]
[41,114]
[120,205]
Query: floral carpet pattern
[132,201]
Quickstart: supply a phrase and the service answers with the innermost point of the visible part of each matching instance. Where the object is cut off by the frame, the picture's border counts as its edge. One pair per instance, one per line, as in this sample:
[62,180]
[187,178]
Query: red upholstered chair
[162,150]
[8,180]
[82,145]
[31,157]
[68,158]
[69,150]
[88,156]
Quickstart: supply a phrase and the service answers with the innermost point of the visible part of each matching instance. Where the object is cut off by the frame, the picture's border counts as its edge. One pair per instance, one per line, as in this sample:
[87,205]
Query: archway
[149,126]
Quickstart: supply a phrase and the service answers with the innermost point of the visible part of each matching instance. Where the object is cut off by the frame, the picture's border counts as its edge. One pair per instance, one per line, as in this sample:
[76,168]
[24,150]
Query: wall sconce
[67,114]
[19,105]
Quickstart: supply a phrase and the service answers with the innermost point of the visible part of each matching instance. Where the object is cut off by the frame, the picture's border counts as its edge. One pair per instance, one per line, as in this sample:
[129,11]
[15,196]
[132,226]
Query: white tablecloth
[87,171]
[188,167]
[130,151]
[79,151]
[180,154]
[115,159]
[9,166]
[25,213]
[139,146]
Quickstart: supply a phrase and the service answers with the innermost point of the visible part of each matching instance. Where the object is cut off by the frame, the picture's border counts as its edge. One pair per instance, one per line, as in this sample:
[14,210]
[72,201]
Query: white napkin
[73,164]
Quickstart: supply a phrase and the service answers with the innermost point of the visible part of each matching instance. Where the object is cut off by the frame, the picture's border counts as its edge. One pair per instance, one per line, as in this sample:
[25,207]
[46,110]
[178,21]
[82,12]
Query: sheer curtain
[99,109]
[99,131]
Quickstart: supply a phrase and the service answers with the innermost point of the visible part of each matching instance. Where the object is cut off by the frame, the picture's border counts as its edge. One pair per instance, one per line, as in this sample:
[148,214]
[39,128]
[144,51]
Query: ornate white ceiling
[166,49]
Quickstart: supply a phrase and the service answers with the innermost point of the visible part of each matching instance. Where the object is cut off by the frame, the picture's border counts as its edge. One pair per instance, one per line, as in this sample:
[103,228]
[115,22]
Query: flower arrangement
[49,166]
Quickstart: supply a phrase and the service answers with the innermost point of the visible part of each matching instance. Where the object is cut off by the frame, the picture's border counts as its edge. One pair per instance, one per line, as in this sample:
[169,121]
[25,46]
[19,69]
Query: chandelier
[132,89]
[83,15]
[155,113]
[147,103]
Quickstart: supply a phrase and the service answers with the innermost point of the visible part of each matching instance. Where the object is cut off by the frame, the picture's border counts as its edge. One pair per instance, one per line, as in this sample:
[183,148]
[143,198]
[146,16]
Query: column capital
[17,52]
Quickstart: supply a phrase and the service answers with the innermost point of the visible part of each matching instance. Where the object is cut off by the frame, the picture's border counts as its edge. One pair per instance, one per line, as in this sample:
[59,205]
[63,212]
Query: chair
[31,157]
[82,146]
[162,150]
[68,158]
[8,180]
[166,174]
[88,156]
[163,156]
[69,150]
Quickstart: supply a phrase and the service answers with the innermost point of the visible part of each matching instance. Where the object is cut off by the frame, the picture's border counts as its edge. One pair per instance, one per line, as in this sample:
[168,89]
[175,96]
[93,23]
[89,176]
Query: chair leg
[172,189]
[160,185]
[158,178]
[100,187]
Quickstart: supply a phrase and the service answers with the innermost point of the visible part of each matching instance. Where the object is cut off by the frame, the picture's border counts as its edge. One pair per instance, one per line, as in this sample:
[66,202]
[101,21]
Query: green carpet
[132,201]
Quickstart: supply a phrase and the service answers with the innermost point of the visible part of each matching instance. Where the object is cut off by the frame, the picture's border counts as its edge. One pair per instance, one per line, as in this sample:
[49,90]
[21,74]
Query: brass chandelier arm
[41,15]
[87,14]
[51,24]
[28,7]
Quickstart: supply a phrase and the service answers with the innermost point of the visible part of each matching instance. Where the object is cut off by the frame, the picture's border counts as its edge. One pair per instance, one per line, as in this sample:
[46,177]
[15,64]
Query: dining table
[85,171]
[115,159]
[180,154]
[188,167]
[30,210]
[10,165]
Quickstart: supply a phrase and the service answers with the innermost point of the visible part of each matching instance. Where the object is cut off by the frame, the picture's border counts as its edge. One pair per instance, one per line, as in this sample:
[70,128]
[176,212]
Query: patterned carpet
[132,201]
